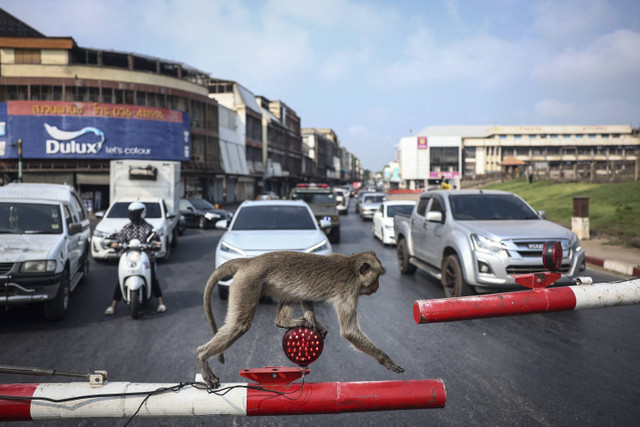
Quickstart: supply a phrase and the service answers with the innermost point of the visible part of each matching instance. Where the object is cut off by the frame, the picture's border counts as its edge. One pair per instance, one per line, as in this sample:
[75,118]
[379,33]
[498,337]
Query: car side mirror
[171,215]
[75,228]
[223,224]
[542,214]
[434,216]
[99,214]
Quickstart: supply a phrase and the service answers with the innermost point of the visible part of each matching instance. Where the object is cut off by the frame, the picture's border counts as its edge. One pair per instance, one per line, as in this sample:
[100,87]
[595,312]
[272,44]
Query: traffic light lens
[302,346]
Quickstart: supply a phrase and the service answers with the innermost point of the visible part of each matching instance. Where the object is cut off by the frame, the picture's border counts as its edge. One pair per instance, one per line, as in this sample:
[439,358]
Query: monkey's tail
[229,268]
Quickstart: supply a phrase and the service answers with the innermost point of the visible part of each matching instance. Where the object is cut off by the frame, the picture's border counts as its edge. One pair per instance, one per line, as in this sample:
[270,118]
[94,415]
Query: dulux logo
[64,142]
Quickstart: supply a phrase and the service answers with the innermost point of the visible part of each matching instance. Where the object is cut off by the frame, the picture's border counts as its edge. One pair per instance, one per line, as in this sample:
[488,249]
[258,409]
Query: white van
[44,246]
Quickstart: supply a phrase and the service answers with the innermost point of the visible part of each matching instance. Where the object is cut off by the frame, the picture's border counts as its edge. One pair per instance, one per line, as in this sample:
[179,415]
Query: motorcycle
[134,273]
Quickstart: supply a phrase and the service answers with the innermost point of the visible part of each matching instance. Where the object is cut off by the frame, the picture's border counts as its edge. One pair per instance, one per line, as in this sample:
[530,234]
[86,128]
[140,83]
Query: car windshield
[373,199]
[315,198]
[475,207]
[392,210]
[121,210]
[274,217]
[30,218]
[201,204]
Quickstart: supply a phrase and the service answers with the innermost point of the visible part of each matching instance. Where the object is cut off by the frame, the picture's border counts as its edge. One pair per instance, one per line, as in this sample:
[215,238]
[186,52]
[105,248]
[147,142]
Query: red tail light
[302,346]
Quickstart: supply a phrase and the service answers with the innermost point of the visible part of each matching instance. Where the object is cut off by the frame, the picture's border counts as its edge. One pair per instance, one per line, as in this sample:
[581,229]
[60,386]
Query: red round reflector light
[302,345]
[552,256]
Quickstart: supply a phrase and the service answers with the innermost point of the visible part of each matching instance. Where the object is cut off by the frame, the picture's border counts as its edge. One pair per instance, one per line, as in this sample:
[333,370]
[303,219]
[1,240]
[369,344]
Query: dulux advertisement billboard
[91,130]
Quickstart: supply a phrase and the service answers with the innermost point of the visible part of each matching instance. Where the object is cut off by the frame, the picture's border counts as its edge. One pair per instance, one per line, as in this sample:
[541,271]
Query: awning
[233,158]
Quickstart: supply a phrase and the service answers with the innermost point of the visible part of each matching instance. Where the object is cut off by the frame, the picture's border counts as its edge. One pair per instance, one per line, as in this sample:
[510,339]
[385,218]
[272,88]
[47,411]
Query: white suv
[117,216]
[44,236]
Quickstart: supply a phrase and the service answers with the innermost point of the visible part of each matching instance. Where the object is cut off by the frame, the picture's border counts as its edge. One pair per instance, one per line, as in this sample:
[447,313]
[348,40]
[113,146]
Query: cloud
[571,20]
[607,60]
[341,65]
[553,111]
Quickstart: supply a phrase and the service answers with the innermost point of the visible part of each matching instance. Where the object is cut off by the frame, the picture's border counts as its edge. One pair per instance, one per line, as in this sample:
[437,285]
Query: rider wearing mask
[139,229]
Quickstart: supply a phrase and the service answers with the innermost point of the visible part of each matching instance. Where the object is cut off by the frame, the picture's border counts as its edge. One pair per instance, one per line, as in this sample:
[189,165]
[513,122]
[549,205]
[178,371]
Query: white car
[383,219]
[342,200]
[117,216]
[260,226]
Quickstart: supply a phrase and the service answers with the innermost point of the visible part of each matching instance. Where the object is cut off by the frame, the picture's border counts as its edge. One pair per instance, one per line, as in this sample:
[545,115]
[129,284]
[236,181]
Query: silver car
[261,226]
[370,204]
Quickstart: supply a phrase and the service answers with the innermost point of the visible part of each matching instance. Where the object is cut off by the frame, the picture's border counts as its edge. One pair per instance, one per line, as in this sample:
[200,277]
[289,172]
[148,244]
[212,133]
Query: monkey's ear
[364,267]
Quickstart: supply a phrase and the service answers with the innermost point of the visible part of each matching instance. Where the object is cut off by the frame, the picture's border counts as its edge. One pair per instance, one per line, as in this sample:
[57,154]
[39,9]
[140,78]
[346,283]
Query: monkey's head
[369,270]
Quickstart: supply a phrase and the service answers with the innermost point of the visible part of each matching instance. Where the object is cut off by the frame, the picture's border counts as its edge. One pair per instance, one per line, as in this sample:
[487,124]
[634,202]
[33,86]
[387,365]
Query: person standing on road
[139,229]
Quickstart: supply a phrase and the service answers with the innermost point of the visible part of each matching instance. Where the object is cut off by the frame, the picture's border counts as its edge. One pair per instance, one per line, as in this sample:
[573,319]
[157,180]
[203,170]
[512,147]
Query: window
[444,158]
[274,218]
[422,206]
[27,56]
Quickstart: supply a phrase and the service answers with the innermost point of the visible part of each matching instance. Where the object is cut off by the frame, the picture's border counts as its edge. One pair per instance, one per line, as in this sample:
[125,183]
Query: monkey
[290,278]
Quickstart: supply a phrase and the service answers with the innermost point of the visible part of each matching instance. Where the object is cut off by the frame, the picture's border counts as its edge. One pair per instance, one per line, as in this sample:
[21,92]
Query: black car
[200,213]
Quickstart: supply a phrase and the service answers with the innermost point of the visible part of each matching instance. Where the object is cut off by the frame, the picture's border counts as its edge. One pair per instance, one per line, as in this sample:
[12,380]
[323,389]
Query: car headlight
[42,266]
[575,243]
[488,246]
[225,247]
[211,215]
[99,233]
[318,247]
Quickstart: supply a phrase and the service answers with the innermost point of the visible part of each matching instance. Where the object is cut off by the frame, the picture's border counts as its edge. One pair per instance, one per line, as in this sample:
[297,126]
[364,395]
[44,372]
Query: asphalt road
[569,368]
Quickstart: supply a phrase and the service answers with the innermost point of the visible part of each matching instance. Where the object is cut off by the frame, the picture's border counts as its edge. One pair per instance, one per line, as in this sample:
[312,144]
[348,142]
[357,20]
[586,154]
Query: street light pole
[19,160]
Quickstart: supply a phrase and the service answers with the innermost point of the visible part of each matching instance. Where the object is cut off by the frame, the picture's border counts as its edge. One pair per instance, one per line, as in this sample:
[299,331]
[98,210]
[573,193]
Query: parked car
[383,219]
[476,240]
[44,236]
[322,201]
[202,214]
[369,204]
[267,195]
[271,225]
[117,216]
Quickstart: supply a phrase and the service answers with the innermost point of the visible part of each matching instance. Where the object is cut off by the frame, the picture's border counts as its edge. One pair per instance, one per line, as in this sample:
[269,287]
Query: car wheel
[174,240]
[402,251]
[453,281]
[334,235]
[58,308]
[85,269]
[167,255]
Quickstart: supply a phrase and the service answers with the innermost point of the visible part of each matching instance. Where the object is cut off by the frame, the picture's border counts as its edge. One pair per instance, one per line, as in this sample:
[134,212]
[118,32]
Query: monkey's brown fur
[291,278]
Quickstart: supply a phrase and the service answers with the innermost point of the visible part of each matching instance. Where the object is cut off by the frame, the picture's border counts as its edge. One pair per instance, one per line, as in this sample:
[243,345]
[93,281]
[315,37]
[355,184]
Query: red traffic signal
[302,345]
[552,256]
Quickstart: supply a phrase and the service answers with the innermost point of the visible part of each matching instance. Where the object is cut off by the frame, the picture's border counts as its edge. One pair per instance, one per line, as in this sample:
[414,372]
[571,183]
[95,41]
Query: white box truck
[155,183]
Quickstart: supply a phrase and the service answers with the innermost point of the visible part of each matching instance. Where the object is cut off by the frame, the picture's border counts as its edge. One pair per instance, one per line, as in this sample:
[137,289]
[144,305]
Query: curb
[617,266]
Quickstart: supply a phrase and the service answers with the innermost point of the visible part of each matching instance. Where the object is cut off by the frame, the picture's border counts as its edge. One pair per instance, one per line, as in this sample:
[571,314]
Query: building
[74,109]
[66,111]
[553,152]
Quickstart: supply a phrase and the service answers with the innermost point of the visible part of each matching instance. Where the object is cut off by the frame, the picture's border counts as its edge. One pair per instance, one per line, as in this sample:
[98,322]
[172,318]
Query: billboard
[91,130]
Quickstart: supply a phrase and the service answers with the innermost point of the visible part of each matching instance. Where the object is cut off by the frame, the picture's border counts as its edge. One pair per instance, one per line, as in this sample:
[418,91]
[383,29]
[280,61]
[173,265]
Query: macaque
[290,278]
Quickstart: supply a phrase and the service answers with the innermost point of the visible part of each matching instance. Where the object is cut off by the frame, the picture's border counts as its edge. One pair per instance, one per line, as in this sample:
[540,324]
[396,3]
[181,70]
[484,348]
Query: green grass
[614,209]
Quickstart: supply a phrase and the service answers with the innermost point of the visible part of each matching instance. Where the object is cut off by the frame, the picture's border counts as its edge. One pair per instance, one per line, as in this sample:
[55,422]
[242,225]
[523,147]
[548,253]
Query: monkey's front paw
[390,365]
[212,381]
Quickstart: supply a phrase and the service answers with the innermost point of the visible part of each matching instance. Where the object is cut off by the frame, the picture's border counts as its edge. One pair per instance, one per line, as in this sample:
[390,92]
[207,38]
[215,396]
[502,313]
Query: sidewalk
[615,258]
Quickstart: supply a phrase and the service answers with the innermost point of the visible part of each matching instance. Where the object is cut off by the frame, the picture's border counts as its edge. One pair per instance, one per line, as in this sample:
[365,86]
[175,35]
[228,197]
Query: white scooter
[134,274]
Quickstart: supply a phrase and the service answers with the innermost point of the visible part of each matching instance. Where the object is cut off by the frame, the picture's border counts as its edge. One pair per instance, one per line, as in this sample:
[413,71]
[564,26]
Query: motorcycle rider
[139,229]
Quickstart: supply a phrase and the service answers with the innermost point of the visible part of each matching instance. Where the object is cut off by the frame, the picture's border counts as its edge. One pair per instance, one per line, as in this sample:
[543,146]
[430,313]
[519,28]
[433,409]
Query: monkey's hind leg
[237,324]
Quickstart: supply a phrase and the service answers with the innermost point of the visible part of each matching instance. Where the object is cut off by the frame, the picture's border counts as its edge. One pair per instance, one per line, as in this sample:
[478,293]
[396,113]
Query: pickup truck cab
[44,246]
[475,240]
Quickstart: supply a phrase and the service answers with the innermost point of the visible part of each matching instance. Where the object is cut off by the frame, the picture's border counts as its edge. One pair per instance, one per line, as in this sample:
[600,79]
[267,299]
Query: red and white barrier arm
[239,400]
[527,302]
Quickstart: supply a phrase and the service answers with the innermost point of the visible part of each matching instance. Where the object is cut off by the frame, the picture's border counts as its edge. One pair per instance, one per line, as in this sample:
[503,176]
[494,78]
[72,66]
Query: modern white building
[588,152]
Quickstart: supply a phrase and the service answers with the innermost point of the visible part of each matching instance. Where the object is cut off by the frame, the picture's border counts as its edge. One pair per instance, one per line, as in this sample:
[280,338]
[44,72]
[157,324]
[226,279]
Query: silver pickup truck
[475,240]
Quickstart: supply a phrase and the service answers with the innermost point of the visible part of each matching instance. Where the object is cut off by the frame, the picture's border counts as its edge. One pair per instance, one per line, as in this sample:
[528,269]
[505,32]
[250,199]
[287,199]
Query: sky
[377,71]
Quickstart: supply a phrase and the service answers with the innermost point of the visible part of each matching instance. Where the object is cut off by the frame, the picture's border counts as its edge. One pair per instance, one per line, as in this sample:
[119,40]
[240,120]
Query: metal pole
[527,302]
[19,160]
[123,400]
